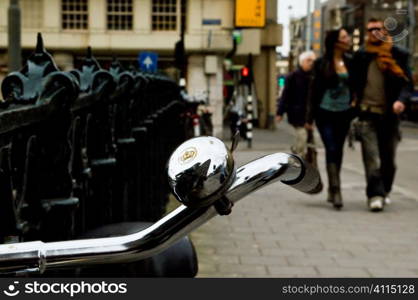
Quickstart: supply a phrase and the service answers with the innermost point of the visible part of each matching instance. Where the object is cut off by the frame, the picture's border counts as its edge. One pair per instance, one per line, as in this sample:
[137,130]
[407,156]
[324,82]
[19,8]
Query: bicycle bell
[200,171]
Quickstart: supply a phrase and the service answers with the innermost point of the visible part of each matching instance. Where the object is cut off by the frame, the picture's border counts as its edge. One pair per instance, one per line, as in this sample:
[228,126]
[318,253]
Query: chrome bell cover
[200,171]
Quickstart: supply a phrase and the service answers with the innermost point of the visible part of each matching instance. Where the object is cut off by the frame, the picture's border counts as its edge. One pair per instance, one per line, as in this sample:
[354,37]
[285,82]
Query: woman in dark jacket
[329,105]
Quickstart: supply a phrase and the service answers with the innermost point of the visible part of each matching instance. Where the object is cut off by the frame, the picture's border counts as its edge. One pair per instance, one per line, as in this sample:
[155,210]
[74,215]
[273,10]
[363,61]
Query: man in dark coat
[383,86]
[293,100]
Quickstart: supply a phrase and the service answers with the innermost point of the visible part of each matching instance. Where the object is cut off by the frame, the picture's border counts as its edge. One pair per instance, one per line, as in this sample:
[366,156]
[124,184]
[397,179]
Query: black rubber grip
[309,180]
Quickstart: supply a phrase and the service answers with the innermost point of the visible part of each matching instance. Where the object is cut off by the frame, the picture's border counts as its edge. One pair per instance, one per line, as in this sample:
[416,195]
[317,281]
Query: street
[280,232]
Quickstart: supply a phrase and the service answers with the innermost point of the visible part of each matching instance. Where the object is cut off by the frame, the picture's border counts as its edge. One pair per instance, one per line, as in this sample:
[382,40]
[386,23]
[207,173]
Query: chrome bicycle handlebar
[205,166]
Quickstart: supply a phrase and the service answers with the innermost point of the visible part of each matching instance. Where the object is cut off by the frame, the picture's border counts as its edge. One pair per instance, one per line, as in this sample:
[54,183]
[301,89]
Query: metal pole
[15,50]
[308,27]
[412,24]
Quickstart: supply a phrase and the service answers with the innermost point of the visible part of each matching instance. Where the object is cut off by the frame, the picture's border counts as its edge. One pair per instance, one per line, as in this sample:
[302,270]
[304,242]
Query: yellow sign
[250,13]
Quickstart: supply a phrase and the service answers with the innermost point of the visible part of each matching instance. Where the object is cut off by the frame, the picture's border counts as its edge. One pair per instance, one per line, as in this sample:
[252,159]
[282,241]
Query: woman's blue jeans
[333,128]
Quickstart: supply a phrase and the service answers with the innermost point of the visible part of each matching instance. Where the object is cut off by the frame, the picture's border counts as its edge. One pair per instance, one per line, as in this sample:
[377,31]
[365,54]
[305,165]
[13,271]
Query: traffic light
[245,72]
[246,75]
[281,81]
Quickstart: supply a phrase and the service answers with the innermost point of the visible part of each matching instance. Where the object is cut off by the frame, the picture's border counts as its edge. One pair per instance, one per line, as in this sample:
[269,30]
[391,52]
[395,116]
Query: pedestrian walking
[293,101]
[383,84]
[330,105]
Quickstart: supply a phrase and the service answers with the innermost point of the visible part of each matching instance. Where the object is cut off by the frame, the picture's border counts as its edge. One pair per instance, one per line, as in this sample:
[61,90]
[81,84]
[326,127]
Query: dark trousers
[333,128]
[379,139]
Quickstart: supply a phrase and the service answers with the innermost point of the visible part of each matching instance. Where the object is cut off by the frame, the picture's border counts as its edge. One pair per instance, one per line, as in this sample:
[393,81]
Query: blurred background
[212,44]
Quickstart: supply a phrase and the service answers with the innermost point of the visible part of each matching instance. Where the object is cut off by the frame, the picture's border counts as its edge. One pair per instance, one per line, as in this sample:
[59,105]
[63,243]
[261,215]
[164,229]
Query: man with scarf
[383,86]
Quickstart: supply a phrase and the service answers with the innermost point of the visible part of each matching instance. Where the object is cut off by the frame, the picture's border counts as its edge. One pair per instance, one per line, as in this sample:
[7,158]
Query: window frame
[127,13]
[74,12]
[178,15]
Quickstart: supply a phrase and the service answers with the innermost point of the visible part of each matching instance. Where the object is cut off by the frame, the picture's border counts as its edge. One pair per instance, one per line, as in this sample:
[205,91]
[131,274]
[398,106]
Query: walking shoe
[338,200]
[387,200]
[334,189]
[376,203]
[330,197]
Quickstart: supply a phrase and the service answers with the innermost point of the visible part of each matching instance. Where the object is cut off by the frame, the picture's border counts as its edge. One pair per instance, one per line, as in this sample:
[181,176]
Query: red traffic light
[245,72]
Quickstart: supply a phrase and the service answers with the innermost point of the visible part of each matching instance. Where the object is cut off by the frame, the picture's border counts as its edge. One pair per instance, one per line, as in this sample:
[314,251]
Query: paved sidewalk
[280,232]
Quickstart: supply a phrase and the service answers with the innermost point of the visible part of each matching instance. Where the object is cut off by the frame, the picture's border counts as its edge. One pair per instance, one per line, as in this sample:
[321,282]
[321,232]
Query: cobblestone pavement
[280,232]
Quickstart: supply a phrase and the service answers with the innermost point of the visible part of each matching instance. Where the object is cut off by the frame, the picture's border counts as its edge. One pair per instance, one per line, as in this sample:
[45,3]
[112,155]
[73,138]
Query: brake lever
[235,141]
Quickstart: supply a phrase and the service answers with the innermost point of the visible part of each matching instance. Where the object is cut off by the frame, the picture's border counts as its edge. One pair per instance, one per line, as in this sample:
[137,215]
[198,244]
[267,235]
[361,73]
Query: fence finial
[40,44]
[89,53]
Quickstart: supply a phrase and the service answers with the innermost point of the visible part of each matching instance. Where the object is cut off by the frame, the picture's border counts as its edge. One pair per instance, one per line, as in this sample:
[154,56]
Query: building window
[119,15]
[32,13]
[74,14]
[168,15]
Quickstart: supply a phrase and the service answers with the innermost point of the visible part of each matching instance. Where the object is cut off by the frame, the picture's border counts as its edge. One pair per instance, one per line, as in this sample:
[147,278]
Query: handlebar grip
[309,180]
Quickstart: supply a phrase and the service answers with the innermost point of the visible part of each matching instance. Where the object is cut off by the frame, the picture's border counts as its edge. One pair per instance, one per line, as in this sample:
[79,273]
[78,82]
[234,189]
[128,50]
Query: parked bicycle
[198,115]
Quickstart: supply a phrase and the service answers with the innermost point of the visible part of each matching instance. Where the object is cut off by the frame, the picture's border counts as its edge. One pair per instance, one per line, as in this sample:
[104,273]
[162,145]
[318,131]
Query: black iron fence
[85,148]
